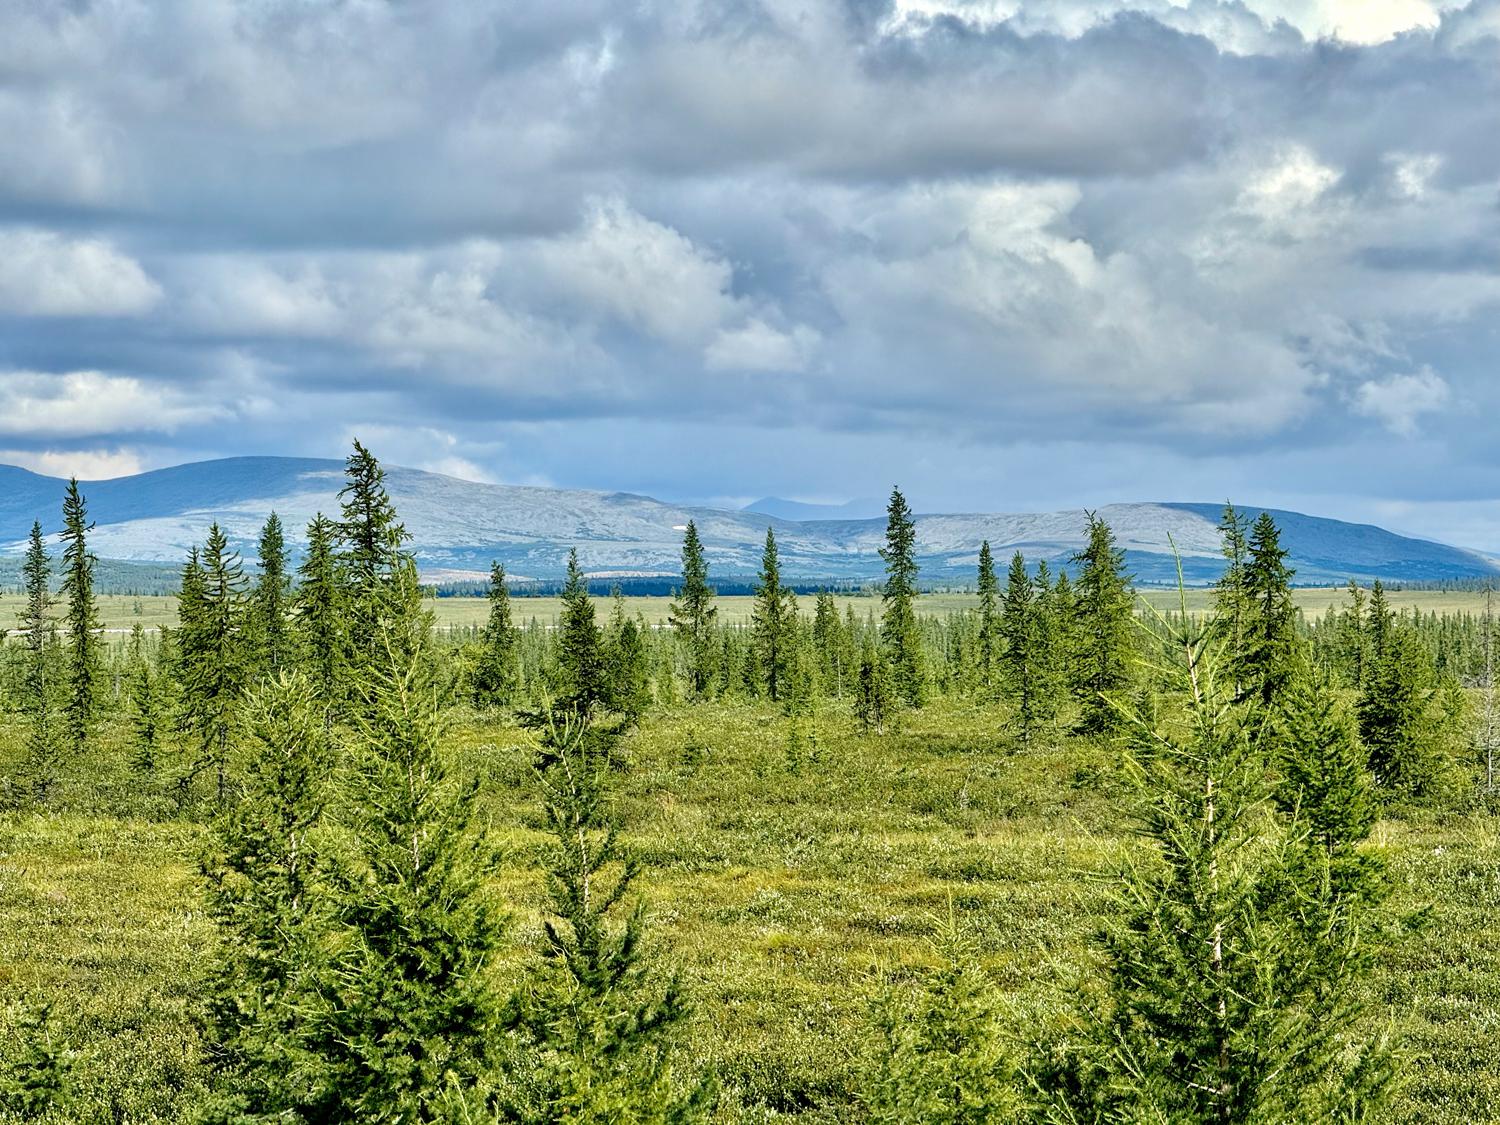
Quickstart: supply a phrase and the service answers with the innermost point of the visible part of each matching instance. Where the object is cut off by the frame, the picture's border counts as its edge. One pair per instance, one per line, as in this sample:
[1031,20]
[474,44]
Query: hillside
[458,526]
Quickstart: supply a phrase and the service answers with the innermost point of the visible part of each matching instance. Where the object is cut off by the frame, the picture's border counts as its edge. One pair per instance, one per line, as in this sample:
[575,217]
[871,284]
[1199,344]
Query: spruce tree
[597,1024]
[874,693]
[1021,655]
[626,665]
[1325,779]
[147,707]
[212,653]
[381,598]
[270,603]
[1234,986]
[832,644]
[39,687]
[943,1055]
[990,639]
[1231,601]
[495,674]
[1392,708]
[1104,629]
[318,620]
[413,1015]
[1268,655]
[583,677]
[692,614]
[898,625]
[85,660]
[1051,606]
[772,620]
[269,989]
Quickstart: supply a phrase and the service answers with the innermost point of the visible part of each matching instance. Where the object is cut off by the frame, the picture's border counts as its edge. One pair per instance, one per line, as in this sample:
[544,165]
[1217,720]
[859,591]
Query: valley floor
[787,887]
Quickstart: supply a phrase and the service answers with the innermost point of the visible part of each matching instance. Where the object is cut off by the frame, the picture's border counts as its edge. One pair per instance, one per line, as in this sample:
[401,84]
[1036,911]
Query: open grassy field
[785,908]
[120,612]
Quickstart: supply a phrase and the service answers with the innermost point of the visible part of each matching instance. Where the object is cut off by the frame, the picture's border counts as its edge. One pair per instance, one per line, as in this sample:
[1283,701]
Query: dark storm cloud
[976,231]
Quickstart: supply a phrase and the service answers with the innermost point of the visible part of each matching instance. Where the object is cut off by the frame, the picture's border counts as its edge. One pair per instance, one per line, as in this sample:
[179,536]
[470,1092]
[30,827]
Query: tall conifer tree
[599,1024]
[1233,984]
[1021,655]
[1104,630]
[580,654]
[413,1013]
[1269,653]
[1231,601]
[85,661]
[270,604]
[212,652]
[269,986]
[989,619]
[898,624]
[40,672]
[319,622]
[382,598]
[692,614]
[772,619]
[495,676]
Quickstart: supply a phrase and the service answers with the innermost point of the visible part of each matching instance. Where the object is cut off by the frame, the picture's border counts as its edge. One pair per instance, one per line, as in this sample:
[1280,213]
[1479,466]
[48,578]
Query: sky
[1009,254]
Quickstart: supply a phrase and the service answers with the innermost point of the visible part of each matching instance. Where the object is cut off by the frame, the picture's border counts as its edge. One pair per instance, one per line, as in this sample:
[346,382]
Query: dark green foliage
[1029,647]
[582,674]
[212,654]
[36,1063]
[1266,661]
[84,658]
[772,622]
[1231,599]
[627,669]
[146,702]
[1104,629]
[267,991]
[382,601]
[495,671]
[1233,978]
[990,640]
[41,673]
[596,1025]
[692,614]
[833,647]
[874,694]
[412,1014]
[1324,771]
[942,1055]
[318,623]
[1403,736]
[898,620]
[270,603]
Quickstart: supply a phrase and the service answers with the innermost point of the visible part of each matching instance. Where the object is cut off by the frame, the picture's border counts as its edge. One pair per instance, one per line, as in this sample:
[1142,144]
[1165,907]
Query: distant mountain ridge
[458,526]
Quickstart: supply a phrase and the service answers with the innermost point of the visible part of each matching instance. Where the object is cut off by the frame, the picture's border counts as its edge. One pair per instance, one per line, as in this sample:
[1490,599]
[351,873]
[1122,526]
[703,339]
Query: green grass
[786,895]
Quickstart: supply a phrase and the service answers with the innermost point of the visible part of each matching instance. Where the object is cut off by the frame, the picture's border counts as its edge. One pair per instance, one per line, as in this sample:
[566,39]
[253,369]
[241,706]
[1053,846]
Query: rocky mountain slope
[458,526]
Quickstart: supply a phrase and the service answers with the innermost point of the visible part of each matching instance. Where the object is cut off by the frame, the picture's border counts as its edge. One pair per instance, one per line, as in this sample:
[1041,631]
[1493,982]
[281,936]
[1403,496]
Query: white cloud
[756,346]
[85,464]
[83,403]
[621,265]
[1399,401]
[45,274]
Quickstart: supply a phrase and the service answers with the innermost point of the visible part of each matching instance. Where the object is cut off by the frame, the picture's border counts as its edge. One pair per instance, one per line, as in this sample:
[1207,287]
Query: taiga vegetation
[1059,857]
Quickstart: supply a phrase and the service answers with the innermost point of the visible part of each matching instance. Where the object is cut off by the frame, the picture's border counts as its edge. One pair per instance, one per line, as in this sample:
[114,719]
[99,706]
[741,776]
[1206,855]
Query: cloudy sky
[1013,254]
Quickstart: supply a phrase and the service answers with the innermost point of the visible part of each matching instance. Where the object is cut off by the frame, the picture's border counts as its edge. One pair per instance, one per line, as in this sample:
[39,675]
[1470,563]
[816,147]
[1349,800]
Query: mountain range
[458,526]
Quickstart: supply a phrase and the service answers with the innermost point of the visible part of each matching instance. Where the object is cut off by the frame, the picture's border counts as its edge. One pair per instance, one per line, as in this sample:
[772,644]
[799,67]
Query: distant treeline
[664,586]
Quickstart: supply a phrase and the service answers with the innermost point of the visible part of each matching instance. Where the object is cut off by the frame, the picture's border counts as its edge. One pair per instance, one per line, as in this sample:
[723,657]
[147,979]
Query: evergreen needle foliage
[692,614]
[269,983]
[412,1011]
[1105,630]
[85,661]
[943,1056]
[595,1027]
[898,622]
[1232,979]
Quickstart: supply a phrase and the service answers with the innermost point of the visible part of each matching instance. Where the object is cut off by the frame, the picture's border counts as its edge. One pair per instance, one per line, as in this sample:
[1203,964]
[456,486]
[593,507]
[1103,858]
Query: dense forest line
[364,968]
